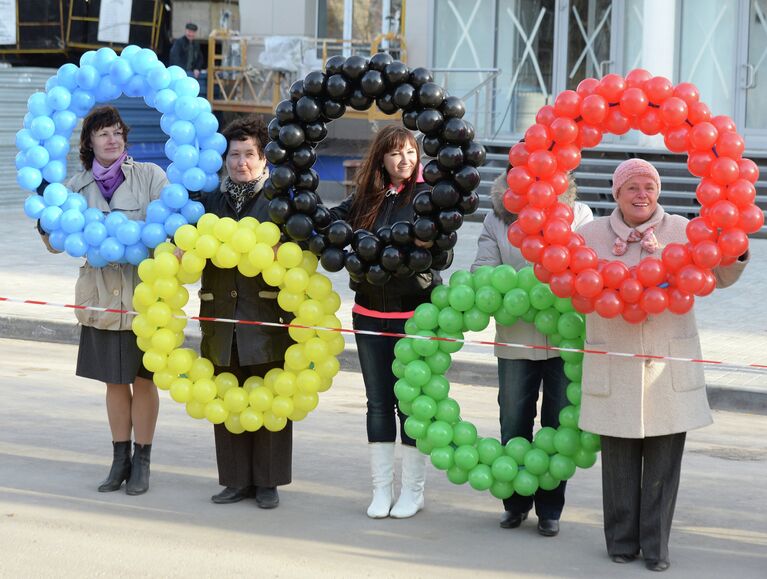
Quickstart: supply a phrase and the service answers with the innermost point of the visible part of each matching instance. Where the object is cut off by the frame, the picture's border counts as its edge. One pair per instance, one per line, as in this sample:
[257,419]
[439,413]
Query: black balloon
[449,220]
[445,241]
[377,275]
[392,257]
[270,191]
[303,157]
[384,234]
[386,104]
[275,153]
[455,131]
[429,121]
[317,244]
[440,259]
[332,259]
[419,259]
[469,203]
[444,194]
[396,73]
[292,135]
[431,95]
[474,154]
[333,109]
[283,177]
[339,234]
[308,109]
[425,229]
[299,227]
[316,131]
[338,87]
[284,112]
[357,236]
[380,61]
[322,217]
[422,203]
[274,129]
[467,178]
[372,83]
[355,265]
[355,66]
[405,97]
[335,64]
[369,248]
[433,173]
[410,120]
[280,210]
[450,157]
[404,271]
[314,83]
[452,107]
[358,101]
[402,233]
[420,76]
[307,180]
[431,145]
[305,202]
[296,90]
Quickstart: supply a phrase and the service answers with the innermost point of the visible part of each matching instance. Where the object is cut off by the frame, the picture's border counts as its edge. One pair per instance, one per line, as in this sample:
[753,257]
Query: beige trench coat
[635,398]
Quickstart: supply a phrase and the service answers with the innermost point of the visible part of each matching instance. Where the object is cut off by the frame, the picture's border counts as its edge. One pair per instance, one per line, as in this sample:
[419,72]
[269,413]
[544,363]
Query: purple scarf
[109,178]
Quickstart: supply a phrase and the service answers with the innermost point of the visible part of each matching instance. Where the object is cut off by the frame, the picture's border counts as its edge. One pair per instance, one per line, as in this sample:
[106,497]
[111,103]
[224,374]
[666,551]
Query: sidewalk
[732,321]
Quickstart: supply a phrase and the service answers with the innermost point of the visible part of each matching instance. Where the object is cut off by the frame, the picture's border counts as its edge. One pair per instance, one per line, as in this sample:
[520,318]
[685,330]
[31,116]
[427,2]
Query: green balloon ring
[434,419]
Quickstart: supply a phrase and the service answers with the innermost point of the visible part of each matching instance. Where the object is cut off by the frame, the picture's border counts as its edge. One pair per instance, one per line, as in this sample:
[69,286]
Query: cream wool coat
[635,398]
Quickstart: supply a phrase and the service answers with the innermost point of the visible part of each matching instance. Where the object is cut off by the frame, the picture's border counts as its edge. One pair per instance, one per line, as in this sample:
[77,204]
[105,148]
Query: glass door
[590,50]
[751,114]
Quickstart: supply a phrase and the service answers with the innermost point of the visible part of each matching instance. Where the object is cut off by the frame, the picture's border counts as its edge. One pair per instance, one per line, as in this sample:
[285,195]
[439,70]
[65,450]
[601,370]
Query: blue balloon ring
[195,149]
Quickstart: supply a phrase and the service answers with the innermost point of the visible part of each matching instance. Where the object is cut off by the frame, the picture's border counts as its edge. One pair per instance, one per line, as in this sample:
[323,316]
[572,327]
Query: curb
[730,398]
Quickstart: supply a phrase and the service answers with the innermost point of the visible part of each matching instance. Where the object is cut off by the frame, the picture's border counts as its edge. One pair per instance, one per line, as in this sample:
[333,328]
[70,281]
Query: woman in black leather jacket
[386,184]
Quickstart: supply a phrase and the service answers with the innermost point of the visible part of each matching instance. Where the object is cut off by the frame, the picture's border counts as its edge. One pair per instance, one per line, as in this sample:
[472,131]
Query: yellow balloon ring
[269,401]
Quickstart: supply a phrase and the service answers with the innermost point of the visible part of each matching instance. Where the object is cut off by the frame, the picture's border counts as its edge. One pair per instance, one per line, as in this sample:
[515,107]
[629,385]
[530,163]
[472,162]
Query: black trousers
[640,480]
[261,458]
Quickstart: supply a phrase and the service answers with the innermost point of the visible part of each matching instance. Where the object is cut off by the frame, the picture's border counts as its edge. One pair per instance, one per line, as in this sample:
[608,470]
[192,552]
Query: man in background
[185,53]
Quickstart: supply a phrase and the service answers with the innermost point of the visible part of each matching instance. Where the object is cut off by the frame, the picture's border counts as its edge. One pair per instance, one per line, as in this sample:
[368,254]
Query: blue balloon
[136,253]
[185,157]
[55,194]
[186,86]
[95,259]
[75,201]
[82,102]
[67,76]
[194,179]
[211,182]
[65,122]
[111,249]
[157,212]
[107,90]
[120,71]
[50,217]
[174,196]
[37,104]
[29,178]
[28,120]
[192,211]
[57,147]
[186,108]
[87,58]
[204,105]
[42,128]
[158,76]
[88,77]
[113,221]
[174,174]
[216,141]
[129,233]
[129,51]
[205,124]
[20,160]
[143,60]
[170,148]
[94,233]
[59,98]
[167,122]
[210,161]
[93,215]
[153,234]
[136,86]
[51,83]
[72,221]
[165,100]
[55,171]
[105,56]
[57,239]
[149,100]
[173,222]
[26,140]
[183,132]
[37,157]
[33,206]
[176,72]
[75,245]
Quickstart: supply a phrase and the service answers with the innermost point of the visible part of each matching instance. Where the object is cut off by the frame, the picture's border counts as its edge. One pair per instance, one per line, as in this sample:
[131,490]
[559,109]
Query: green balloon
[476,320]
[504,469]
[545,321]
[504,318]
[481,478]
[398,368]
[516,302]
[423,407]
[567,441]
[555,339]
[517,447]
[536,461]
[504,278]
[569,416]
[442,457]
[425,347]
[529,316]
[415,428]
[424,445]
[461,277]
[525,483]
[439,296]
[405,407]
[501,490]
[544,439]
[547,482]
[436,388]
[541,297]
[572,357]
[574,393]
[526,279]
[450,320]
[405,391]
[563,305]
[466,457]
[461,298]
[439,433]
[561,467]
[425,316]
[464,433]
[482,276]
[571,325]
[450,347]
[488,299]
[574,372]
[489,449]
[457,475]
[417,373]
[590,441]
[584,458]
[439,361]
[411,327]
[448,411]
[404,352]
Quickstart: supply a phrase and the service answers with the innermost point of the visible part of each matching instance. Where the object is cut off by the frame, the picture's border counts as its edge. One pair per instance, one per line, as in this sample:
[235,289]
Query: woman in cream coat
[642,408]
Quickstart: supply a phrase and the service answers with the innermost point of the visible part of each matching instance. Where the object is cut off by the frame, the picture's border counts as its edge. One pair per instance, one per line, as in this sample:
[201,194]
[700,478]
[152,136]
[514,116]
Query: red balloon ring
[577,120]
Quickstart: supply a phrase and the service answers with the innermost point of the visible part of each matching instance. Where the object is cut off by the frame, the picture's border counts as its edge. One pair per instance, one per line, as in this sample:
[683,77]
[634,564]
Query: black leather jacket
[226,293]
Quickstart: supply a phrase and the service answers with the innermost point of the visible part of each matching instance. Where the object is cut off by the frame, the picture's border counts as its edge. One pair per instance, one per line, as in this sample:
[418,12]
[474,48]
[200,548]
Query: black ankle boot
[138,483]
[121,467]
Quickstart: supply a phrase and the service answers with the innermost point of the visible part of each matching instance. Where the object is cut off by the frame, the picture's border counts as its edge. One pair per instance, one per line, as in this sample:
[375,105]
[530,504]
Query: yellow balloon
[331,303]
[329,321]
[186,277]
[165,287]
[163,379]
[251,420]
[261,256]
[165,265]
[268,233]
[336,345]
[154,361]
[328,367]
[253,381]
[285,384]
[296,279]
[180,339]
[319,287]
[144,294]
[177,321]
[274,423]
[233,424]
[316,350]
[271,376]
[201,368]
[311,312]
[206,246]
[308,381]
[195,409]
[236,400]
[185,237]
[180,361]
[225,382]
[144,344]
[289,301]
[192,263]
[226,257]
[273,274]
[325,384]
[300,335]
[248,222]
[282,406]
[260,398]
[243,240]
[164,247]
[246,268]
[181,390]
[146,270]
[296,358]
[289,255]
[179,298]
[206,223]
[297,415]
[224,228]
[158,314]
[163,341]
[215,411]
[306,402]
[204,390]
[142,328]
[309,262]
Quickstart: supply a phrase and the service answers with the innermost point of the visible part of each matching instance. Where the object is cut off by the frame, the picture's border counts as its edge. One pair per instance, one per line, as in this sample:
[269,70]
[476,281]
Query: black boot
[138,483]
[121,467]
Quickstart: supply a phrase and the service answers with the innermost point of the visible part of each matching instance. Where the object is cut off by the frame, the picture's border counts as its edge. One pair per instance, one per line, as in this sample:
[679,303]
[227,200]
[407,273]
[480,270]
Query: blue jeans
[376,355]
[519,382]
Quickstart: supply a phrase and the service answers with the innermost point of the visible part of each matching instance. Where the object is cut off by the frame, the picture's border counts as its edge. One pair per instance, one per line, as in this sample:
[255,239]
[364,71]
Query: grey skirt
[110,356]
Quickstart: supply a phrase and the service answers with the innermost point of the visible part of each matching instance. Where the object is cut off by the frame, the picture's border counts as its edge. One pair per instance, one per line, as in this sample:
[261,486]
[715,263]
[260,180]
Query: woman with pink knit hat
[642,407]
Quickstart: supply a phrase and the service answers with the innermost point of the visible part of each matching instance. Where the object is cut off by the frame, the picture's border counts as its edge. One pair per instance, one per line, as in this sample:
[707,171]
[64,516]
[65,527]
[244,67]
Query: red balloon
[631,290]
[651,272]
[709,284]
[589,283]
[532,247]
[582,304]
[519,179]
[567,104]
[732,243]
[688,92]
[634,102]
[730,145]
[673,111]
[654,300]
[699,162]
[706,254]
[709,192]
[724,170]
[698,113]
[637,78]
[594,109]
[616,122]
[698,230]
[562,284]
[703,136]
[587,87]
[556,231]
[608,304]
[560,182]
[545,115]
[723,214]
[568,157]
[564,130]
[724,124]
[541,194]
[633,314]
[555,258]
[583,258]
[611,87]
[677,139]
[537,137]
[514,202]
[614,272]
[590,136]
[515,235]
[542,164]
[518,155]
[650,123]
[675,256]
[543,275]
[748,170]
[531,219]
[680,302]
[690,279]
[751,219]
[563,212]
[658,89]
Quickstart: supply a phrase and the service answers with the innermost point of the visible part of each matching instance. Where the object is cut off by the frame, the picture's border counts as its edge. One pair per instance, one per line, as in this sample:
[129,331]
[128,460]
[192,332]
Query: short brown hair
[97,119]
[244,128]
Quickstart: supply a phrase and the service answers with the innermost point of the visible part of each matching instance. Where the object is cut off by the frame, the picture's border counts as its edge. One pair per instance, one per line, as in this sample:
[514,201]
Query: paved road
[54,448]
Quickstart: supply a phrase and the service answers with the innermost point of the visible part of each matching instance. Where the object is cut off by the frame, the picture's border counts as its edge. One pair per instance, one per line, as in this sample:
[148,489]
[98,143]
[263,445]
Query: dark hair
[372,178]
[191,26]
[244,128]
[96,120]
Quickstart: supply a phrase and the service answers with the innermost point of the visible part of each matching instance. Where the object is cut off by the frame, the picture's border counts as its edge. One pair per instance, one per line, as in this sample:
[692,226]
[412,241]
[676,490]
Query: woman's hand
[423,244]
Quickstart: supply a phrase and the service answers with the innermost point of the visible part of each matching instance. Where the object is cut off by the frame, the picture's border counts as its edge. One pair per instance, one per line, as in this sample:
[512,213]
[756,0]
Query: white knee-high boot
[382,469]
[410,500]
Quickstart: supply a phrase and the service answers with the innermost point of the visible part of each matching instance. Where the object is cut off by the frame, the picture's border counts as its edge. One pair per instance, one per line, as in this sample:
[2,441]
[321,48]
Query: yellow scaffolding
[19,49]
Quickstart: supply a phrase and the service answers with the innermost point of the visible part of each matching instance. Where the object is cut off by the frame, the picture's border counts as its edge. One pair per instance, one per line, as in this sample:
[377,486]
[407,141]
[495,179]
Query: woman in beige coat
[642,408]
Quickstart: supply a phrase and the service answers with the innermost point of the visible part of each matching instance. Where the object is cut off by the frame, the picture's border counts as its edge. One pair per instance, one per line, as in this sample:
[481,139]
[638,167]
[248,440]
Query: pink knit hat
[633,168]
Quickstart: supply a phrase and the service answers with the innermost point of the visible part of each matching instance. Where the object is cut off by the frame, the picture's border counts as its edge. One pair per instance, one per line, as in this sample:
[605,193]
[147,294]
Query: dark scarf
[241,193]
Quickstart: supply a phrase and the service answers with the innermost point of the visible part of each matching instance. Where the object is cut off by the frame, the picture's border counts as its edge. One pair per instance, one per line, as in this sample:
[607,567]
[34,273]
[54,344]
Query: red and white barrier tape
[762,367]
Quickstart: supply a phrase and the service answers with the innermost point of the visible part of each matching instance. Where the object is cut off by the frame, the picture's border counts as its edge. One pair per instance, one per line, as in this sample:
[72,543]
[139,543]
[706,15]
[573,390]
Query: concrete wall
[282,17]
[418,32]
[205,14]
